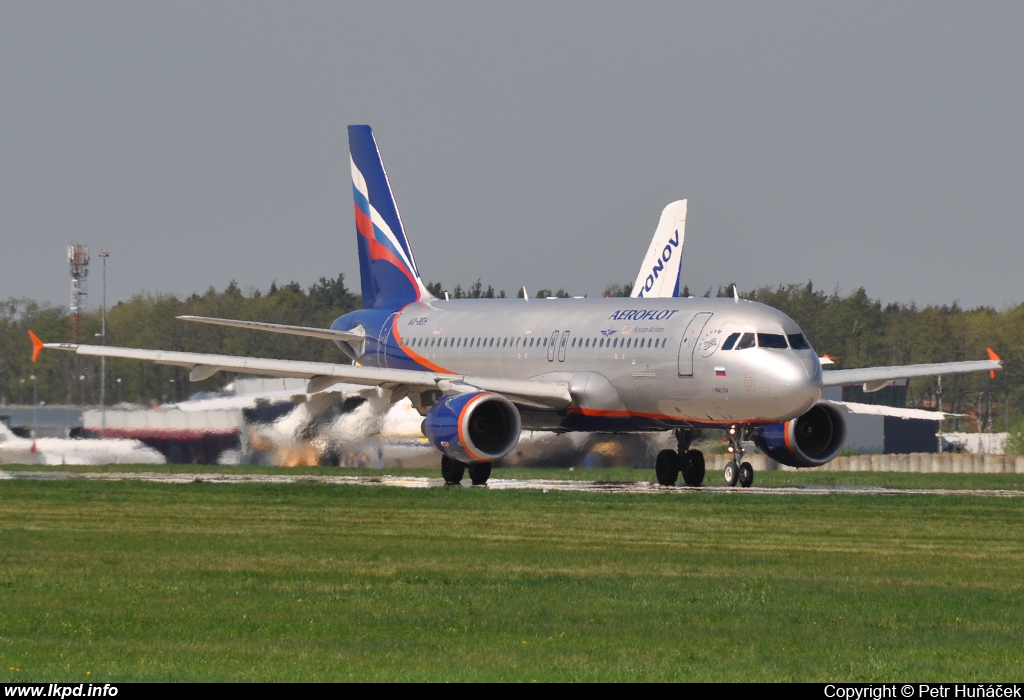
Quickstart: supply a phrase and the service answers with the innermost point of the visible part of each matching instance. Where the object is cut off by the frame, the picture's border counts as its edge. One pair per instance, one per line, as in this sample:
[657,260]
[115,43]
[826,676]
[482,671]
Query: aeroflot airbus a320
[482,370]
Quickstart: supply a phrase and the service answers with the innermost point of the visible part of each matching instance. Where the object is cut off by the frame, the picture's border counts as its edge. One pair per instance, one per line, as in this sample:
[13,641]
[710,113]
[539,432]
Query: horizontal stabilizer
[325,333]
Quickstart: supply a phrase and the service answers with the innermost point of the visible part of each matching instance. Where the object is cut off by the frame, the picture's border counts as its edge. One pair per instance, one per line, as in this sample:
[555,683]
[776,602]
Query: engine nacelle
[481,427]
[807,441]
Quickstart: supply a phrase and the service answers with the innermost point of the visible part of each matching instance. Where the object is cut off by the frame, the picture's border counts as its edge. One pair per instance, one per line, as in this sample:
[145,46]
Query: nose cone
[795,385]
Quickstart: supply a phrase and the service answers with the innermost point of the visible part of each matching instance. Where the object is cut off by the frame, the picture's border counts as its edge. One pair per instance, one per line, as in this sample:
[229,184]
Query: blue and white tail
[387,269]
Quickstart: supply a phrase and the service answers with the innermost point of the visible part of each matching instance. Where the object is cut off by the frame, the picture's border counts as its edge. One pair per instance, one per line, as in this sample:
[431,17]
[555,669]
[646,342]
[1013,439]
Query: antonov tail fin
[387,268]
[659,273]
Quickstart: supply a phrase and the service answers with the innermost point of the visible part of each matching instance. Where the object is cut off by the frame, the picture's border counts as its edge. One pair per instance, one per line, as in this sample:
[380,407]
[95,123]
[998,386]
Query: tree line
[854,329]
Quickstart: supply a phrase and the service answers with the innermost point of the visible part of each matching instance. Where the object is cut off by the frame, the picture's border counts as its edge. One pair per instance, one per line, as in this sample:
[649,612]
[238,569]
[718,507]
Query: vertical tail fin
[660,272]
[387,268]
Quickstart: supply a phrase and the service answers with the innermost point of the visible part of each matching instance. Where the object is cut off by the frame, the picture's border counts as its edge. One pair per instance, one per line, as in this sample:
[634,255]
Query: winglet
[995,358]
[37,345]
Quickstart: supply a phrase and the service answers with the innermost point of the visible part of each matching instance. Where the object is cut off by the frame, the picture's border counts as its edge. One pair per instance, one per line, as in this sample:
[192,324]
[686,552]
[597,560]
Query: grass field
[140,581]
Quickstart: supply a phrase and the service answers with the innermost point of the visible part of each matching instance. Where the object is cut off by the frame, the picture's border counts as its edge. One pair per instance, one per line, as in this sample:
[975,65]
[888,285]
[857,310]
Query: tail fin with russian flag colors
[387,268]
[659,273]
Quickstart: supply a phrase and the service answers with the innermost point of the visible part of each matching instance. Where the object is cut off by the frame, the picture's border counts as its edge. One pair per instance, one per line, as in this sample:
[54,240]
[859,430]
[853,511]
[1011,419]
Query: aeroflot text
[642,315]
[924,690]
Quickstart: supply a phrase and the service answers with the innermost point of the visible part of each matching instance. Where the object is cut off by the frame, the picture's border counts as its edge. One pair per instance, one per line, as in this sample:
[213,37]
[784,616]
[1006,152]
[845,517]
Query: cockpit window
[797,341]
[747,341]
[730,341]
[776,341]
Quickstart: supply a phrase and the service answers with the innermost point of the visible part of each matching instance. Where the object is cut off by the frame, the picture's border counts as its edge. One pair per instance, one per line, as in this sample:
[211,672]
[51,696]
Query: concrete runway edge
[494,484]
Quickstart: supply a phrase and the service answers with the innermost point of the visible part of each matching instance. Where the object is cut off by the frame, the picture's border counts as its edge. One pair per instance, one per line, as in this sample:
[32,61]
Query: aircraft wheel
[666,467]
[452,470]
[731,473]
[479,473]
[746,474]
[693,468]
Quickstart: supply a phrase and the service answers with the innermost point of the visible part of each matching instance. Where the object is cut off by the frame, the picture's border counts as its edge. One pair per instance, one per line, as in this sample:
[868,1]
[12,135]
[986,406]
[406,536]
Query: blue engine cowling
[807,441]
[481,427]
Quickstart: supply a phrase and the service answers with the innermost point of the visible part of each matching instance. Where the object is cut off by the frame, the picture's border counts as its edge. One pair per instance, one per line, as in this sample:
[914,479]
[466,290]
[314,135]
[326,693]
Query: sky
[869,144]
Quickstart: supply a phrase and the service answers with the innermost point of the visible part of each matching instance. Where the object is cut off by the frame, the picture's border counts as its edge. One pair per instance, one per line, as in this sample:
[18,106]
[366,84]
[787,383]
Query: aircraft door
[383,340]
[561,346]
[689,342]
[551,346]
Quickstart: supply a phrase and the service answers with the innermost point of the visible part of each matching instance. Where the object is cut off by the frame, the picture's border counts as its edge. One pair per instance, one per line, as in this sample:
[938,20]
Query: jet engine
[807,441]
[481,427]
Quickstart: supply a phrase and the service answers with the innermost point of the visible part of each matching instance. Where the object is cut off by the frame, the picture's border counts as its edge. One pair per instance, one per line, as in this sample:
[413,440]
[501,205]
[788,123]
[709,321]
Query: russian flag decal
[719,371]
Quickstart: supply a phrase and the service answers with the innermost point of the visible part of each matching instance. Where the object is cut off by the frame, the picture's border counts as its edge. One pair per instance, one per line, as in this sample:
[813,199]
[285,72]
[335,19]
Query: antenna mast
[78,260]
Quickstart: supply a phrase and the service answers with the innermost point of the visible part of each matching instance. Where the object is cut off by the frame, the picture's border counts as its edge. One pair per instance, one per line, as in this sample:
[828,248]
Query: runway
[543,485]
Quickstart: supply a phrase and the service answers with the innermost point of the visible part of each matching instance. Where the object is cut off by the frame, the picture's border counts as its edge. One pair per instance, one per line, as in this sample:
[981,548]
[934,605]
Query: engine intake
[807,441]
[481,427]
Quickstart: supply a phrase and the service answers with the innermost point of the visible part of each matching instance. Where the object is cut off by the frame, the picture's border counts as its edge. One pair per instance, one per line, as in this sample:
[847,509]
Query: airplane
[57,451]
[480,371]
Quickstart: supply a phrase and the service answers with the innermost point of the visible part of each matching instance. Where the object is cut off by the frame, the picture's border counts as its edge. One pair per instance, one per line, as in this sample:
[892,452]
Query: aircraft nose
[796,385]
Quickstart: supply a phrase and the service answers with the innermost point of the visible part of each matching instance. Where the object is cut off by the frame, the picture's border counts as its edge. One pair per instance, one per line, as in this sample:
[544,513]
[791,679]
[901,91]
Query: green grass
[142,581]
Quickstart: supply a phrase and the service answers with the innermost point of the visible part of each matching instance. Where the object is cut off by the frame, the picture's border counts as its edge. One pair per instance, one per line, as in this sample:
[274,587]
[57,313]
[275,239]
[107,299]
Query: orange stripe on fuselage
[598,413]
[419,359]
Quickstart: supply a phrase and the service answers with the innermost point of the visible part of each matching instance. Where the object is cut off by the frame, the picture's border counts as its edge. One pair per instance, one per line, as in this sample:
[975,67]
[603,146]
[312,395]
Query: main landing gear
[690,463]
[453,470]
[736,470]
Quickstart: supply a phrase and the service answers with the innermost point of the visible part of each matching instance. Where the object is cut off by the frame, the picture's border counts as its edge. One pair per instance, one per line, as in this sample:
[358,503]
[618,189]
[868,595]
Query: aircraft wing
[325,333]
[875,378]
[890,411]
[547,394]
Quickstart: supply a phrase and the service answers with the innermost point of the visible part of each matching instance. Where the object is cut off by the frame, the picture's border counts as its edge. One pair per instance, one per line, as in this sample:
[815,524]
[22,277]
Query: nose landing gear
[736,470]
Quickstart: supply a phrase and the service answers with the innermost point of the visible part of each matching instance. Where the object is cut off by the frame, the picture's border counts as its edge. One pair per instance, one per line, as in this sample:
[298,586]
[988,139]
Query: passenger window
[775,341]
[747,341]
[797,341]
[730,341]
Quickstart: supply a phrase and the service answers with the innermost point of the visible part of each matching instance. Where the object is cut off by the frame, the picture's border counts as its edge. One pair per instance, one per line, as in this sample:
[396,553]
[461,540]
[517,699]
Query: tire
[693,468]
[479,473]
[666,467]
[746,474]
[731,473]
[452,470]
